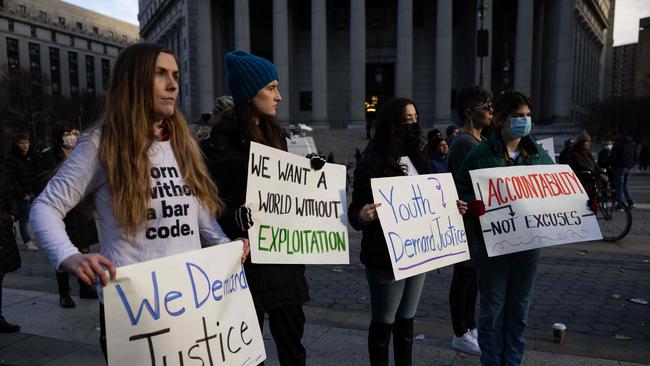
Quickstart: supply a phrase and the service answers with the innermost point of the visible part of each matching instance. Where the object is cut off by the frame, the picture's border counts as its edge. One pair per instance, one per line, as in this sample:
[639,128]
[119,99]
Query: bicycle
[614,217]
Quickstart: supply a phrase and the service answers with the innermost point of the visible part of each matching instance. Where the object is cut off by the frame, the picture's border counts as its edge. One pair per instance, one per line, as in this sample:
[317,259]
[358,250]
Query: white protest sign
[548,145]
[529,207]
[188,307]
[299,214]
[421,223]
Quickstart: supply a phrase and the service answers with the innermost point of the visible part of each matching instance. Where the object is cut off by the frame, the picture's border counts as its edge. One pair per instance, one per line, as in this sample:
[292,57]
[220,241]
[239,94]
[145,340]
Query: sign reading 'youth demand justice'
[299,214]
[529,207]
[189,308]
[421,223]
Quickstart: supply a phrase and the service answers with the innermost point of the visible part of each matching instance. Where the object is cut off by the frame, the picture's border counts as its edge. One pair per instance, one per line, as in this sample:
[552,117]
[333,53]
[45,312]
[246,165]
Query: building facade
[624,70]
[333,55]
[642,77]
[74,48]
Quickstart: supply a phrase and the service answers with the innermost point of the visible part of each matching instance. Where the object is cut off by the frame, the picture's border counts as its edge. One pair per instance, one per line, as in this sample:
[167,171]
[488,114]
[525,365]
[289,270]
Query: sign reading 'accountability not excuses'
[529,207]
[299,214]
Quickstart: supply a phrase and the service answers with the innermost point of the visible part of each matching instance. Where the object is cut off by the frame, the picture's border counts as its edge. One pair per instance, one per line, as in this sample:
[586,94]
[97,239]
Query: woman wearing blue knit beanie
[278,290]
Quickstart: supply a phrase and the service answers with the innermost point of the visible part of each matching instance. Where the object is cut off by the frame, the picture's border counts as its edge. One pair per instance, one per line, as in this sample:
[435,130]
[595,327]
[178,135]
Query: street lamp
[482,39]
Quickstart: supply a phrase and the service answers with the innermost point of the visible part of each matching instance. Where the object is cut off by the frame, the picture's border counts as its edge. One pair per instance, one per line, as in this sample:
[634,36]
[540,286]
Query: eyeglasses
[487,107]
[71,133]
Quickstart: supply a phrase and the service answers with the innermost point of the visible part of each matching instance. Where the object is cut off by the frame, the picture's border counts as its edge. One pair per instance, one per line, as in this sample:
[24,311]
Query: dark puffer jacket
[623,153]
[226,151]
[9,255]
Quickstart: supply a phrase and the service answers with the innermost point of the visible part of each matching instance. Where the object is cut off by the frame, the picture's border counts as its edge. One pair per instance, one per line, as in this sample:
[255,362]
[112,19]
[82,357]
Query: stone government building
[73,47]
[332,55]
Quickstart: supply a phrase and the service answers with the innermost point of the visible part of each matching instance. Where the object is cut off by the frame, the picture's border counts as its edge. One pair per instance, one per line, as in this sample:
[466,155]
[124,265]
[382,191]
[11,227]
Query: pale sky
[626,22]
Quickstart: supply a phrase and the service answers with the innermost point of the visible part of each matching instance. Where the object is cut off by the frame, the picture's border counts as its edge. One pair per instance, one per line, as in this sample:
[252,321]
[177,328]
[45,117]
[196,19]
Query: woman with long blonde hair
[139,160]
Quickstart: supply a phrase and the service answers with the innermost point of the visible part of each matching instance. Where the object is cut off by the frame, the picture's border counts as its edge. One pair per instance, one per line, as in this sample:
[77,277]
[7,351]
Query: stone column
[319,60]
[357,60]
[443,59]
[562,93]
[281,55]
[404,60]
[242,26]
[524,46]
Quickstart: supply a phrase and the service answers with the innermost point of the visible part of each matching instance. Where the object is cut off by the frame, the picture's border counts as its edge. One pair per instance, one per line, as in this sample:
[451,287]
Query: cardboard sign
[190,307]
[529,207]
[421,223]
[548,145]
[299,214]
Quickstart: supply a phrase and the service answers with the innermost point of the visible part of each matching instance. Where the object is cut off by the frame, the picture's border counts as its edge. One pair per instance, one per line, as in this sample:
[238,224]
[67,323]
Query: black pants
[102,331]
[462,298]
[287,325]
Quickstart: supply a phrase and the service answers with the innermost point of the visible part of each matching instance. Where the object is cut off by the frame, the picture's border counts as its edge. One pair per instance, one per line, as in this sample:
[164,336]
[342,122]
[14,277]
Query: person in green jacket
[505,282]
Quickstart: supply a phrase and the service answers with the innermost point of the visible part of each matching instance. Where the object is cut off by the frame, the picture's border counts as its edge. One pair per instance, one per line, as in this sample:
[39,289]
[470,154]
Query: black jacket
[9,255]
[226,152]
[23,170]
[374,250]
[623,153]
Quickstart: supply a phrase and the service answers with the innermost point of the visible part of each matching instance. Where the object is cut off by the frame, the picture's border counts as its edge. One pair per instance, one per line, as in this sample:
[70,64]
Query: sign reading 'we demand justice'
[189,308]
[299,214]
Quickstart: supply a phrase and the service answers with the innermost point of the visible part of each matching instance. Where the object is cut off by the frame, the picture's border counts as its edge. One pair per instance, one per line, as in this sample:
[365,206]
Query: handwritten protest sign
[529,207]
[189,307]
[299,214]
[421,223]
[548,145]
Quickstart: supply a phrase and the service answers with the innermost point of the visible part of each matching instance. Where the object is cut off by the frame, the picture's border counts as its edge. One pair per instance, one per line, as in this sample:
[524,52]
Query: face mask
[69,141]
[519,127]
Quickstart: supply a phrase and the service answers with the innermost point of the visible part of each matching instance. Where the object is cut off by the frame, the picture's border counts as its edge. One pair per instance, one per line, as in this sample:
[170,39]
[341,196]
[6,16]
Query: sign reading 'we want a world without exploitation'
[299,214]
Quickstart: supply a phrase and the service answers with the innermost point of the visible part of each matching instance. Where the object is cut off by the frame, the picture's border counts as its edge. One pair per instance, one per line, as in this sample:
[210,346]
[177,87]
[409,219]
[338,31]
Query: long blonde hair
[126,136]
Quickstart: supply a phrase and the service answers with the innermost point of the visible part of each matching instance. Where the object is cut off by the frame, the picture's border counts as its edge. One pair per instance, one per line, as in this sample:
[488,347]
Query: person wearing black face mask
[395,150]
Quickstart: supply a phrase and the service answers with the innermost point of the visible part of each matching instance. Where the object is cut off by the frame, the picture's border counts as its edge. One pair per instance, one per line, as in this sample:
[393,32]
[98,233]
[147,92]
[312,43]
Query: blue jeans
[23,211]
[390,299]
[620,184]
[505,285]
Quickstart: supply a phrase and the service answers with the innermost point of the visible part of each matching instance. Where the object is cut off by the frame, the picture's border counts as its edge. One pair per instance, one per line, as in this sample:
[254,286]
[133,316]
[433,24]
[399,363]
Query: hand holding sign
[88,266]
[368,212]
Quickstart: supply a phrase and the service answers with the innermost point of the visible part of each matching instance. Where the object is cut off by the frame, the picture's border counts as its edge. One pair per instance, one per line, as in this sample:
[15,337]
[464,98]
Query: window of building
[90,75]
[73,72]
[106,72]
[80,26]
[55,71]
[123,38]
[53,36]
[32,30]
[89,44]
[110,34]
[62,20]
[13,54]
[376,16]
[95,30]
[11,25]
[340,16]
[22,9]
[34,58]
[72,41]
[105,47]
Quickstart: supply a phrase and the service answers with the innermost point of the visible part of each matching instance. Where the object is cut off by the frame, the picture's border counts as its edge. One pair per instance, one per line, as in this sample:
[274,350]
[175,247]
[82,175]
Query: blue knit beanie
[246,74]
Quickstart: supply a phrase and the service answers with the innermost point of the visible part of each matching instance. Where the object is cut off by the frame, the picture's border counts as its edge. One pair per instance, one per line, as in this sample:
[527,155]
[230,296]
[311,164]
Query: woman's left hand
[247,249]
[462,206]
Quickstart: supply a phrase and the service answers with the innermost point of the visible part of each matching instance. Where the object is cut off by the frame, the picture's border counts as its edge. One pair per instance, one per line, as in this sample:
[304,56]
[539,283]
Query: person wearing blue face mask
[505,282]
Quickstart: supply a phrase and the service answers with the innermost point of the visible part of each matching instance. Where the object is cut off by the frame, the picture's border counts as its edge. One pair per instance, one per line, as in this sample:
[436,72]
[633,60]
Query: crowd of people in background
[116,155]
